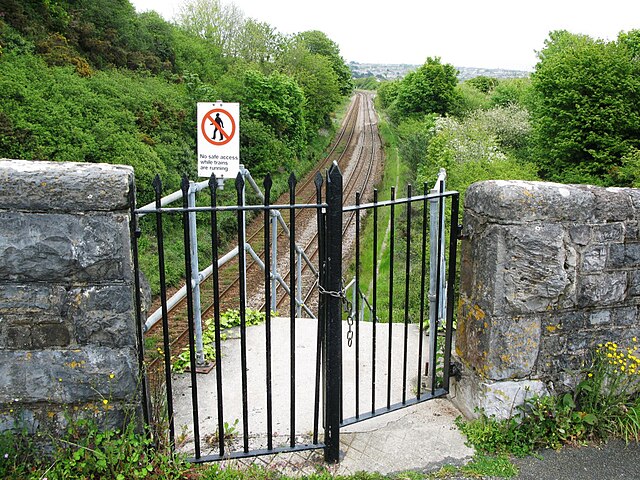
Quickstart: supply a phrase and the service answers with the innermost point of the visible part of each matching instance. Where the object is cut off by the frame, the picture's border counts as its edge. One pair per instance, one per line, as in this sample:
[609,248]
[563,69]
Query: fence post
[333,344]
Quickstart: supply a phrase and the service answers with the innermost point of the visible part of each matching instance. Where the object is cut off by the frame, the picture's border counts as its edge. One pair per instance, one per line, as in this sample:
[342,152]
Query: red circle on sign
[228,136]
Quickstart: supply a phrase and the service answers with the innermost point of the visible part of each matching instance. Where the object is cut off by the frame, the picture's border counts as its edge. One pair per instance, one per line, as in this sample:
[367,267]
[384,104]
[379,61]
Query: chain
[346,307]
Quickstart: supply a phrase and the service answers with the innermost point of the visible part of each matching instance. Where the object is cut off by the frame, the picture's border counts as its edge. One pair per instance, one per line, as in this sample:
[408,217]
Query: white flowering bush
[474,149]
[509,124]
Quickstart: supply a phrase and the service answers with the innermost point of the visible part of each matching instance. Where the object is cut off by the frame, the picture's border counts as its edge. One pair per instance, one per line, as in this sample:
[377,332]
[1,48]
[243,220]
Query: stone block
[570,321]
[632,231]
[64,186]
[580,234]
[103,315]
[537,269]
[472,395]
[32,300]
[50,335]
[480,260]
[472,334]
[67,376]
[624,256]
[601,289]
[53,418]
[16,337]
[522,202]
[626,316]
[602,317]
[634,283]
[612,204]
[57,248]
[609,232]
[513,347]
[594,259]
[497,348]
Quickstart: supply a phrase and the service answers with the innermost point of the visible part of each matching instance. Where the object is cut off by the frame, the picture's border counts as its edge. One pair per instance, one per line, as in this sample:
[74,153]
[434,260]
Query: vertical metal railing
[292,306]
[190,317]
[333,312]
[374,312]
[157,185]
[215,278]
[392,243]
[423,270]
[268,293]
[320,339]
[407,276]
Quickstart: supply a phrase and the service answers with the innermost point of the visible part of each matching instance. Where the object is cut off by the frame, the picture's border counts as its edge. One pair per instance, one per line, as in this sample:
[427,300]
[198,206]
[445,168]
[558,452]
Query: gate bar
[407,270]
[333,346]
[423,270]
[213,185]
[374,301]
[157,184]
[453,250]
[243,316]
[267,301]
[392,234]
[190,319]
[292,306]
[321,306]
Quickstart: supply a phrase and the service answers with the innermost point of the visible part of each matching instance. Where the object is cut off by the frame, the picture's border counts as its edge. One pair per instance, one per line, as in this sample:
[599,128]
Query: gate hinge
[455,371]
[459,234]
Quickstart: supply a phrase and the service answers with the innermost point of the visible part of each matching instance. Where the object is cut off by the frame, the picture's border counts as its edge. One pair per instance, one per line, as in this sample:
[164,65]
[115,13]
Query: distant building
[392,71]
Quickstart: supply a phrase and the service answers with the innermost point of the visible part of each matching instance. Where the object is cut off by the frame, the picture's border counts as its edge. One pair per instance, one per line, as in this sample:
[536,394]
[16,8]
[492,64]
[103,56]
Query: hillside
[94,81]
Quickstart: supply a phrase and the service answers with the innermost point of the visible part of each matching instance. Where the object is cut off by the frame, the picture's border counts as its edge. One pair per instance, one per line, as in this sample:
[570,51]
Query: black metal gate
[364,360]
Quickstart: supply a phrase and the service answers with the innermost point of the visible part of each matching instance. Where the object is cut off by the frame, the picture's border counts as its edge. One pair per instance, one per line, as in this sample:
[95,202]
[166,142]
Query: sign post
[218,139]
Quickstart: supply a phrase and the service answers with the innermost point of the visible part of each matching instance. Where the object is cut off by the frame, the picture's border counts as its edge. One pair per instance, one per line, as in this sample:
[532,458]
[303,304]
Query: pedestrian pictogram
[218,139]
[218,126]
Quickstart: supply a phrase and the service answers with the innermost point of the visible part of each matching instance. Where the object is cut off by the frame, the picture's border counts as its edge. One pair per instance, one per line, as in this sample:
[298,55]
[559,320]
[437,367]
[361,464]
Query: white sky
[465,33]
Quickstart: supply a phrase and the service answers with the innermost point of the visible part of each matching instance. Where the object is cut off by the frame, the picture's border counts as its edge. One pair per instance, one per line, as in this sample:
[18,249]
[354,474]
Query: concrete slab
[418,437]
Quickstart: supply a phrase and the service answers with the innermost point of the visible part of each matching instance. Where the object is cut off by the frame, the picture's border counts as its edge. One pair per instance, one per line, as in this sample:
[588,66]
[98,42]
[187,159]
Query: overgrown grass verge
[396,174]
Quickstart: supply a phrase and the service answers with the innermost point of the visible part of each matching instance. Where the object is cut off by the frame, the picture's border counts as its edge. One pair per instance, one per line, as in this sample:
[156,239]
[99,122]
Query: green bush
[468,100]
[86,451]
[511,91]
[585,106]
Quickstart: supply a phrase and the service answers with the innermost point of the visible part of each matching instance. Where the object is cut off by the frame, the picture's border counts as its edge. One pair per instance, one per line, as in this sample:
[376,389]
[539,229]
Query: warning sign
[218,139]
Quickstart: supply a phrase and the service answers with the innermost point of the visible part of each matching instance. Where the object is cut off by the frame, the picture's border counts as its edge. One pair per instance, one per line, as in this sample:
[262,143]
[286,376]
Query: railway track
[358,177]
[356,149]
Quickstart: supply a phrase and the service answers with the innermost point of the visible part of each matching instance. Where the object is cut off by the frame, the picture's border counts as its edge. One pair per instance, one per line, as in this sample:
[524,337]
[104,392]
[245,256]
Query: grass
[84,451]
[395,173]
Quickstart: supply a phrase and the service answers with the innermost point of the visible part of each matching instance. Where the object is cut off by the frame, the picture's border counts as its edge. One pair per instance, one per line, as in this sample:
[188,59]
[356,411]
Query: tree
[483,83]
[278,101]
[318,80]
[429,89]
[388,92]
[318,43]
[585,109]
[210,19]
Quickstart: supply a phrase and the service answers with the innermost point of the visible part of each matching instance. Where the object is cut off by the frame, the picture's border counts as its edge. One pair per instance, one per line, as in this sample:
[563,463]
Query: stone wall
[67,323]
[548,271]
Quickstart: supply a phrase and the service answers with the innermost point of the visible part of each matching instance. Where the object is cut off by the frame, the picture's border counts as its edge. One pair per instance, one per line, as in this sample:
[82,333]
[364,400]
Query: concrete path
[421,437]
